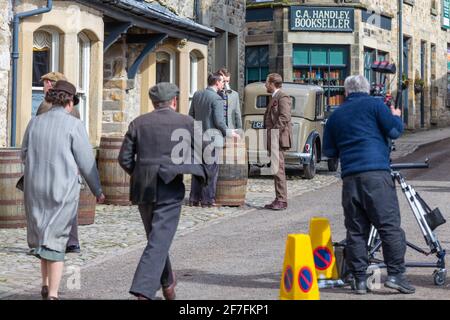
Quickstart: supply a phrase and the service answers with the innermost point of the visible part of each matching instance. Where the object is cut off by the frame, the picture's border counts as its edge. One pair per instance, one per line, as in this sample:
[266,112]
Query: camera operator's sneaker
[399,283]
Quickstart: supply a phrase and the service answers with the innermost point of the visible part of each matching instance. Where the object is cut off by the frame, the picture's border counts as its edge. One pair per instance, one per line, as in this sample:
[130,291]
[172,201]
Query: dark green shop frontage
[318,45]
[323,65]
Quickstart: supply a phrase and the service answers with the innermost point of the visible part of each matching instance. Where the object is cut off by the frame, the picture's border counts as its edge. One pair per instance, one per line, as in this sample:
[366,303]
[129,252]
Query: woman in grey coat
[55,150]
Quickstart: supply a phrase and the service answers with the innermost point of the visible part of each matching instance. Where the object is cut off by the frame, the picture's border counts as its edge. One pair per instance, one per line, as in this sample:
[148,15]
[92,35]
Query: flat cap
[163,91]
[53,76]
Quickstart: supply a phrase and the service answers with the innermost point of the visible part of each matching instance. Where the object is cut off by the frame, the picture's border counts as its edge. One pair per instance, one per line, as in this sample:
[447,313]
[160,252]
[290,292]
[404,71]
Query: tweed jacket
[278,116]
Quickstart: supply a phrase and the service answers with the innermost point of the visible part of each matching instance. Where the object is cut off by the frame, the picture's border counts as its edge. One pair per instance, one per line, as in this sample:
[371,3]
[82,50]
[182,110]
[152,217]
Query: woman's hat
[67,87]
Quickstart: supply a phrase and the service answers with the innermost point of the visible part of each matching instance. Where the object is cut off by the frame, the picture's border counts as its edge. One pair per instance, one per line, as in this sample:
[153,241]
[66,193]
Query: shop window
[370,56]
[45,60]
[256,63]
[259,14]
[326,66]
[84,55]
[165,67]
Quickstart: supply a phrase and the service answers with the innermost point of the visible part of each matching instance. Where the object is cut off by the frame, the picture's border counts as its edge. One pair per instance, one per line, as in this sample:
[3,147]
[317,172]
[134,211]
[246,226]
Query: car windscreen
[298,103]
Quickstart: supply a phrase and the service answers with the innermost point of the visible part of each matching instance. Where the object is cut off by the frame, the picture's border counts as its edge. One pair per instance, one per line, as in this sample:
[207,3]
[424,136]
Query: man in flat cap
[49,80]
[156,184]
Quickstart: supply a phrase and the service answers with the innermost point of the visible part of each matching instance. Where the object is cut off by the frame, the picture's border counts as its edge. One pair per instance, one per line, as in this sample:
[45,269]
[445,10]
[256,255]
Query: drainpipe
[15,58]
[197,11]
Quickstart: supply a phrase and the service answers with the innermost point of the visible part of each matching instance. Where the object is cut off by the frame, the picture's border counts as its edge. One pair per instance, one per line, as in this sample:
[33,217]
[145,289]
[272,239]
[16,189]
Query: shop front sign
[324,19]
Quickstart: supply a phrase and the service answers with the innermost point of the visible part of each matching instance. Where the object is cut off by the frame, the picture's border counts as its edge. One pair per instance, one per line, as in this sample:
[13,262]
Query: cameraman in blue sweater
[358,132]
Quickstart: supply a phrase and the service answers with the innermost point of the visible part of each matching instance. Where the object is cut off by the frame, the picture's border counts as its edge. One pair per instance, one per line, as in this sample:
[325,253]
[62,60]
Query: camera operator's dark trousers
[370,198]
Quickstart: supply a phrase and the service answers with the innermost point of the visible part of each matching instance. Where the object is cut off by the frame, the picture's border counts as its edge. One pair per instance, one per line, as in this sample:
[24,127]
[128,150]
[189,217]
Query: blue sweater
[357,132]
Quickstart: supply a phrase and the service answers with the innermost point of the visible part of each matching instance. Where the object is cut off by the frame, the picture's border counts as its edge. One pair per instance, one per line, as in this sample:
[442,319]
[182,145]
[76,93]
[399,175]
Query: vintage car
[308,120]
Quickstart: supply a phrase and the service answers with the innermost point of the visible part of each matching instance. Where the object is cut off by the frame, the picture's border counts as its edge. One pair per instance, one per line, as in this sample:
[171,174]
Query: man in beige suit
[278,117]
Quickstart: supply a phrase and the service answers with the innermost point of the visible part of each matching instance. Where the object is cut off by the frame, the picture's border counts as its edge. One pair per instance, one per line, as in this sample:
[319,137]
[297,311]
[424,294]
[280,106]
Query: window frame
[269,99]
[367,68]
[54,53]
[83,89]
[172,63]
[260,65]
[55,56]
[193,76]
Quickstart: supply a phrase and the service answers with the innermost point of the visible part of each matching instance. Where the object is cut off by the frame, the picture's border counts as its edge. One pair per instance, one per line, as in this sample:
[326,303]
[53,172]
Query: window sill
[409,2]
[434,11]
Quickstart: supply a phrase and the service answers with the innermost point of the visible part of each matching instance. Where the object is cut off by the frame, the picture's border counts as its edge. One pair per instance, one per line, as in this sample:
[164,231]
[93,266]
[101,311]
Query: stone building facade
[113,56]
[173,60]
[323,41]
[5,66]
[227,17]
[186,62]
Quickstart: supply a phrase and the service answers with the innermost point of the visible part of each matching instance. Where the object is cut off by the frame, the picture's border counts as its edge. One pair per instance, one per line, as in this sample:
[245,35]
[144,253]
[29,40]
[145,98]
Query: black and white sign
[324,19]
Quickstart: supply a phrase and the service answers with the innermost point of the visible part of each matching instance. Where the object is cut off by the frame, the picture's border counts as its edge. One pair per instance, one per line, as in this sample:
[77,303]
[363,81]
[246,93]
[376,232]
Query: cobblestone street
[118,229]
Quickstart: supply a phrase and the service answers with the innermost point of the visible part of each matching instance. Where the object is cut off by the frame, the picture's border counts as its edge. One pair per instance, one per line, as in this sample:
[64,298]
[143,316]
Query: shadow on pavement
[263,281]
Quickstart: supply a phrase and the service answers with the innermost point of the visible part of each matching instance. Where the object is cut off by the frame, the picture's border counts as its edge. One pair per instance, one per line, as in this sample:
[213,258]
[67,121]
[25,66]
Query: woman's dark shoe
[44,292]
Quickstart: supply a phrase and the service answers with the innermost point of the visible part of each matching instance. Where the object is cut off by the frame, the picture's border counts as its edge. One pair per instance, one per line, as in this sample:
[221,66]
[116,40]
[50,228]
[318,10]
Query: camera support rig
[427,219]
[379,89]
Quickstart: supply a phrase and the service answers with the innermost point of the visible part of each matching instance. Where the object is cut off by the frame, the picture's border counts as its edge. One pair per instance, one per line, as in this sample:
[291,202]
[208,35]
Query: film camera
[379,89]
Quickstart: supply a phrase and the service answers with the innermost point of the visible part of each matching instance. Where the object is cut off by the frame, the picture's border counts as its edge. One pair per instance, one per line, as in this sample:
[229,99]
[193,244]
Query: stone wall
[114,85]
[420,23]
[121,96]
[227,16]
[5,65]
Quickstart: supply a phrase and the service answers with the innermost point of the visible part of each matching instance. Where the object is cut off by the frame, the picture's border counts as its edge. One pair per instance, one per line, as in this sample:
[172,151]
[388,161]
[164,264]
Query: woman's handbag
[19,184]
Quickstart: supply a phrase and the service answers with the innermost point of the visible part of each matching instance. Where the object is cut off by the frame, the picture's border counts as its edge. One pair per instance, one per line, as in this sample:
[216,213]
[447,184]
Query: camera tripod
[427,219]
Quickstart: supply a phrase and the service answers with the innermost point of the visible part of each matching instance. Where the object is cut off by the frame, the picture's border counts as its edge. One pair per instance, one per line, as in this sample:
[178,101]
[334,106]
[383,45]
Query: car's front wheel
[309,170]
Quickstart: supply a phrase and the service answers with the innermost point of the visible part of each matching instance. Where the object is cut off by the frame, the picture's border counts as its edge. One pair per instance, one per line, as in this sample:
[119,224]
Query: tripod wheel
[439,277]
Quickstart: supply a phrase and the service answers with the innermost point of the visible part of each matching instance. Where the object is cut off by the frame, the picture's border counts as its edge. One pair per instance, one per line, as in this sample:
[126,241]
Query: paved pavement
[411,141]
[118,230]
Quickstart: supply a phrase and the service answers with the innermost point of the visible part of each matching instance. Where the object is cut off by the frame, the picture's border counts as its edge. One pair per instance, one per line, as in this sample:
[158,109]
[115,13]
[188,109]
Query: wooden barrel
[12,211]
[115,181]
[86,206]
[233,173]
